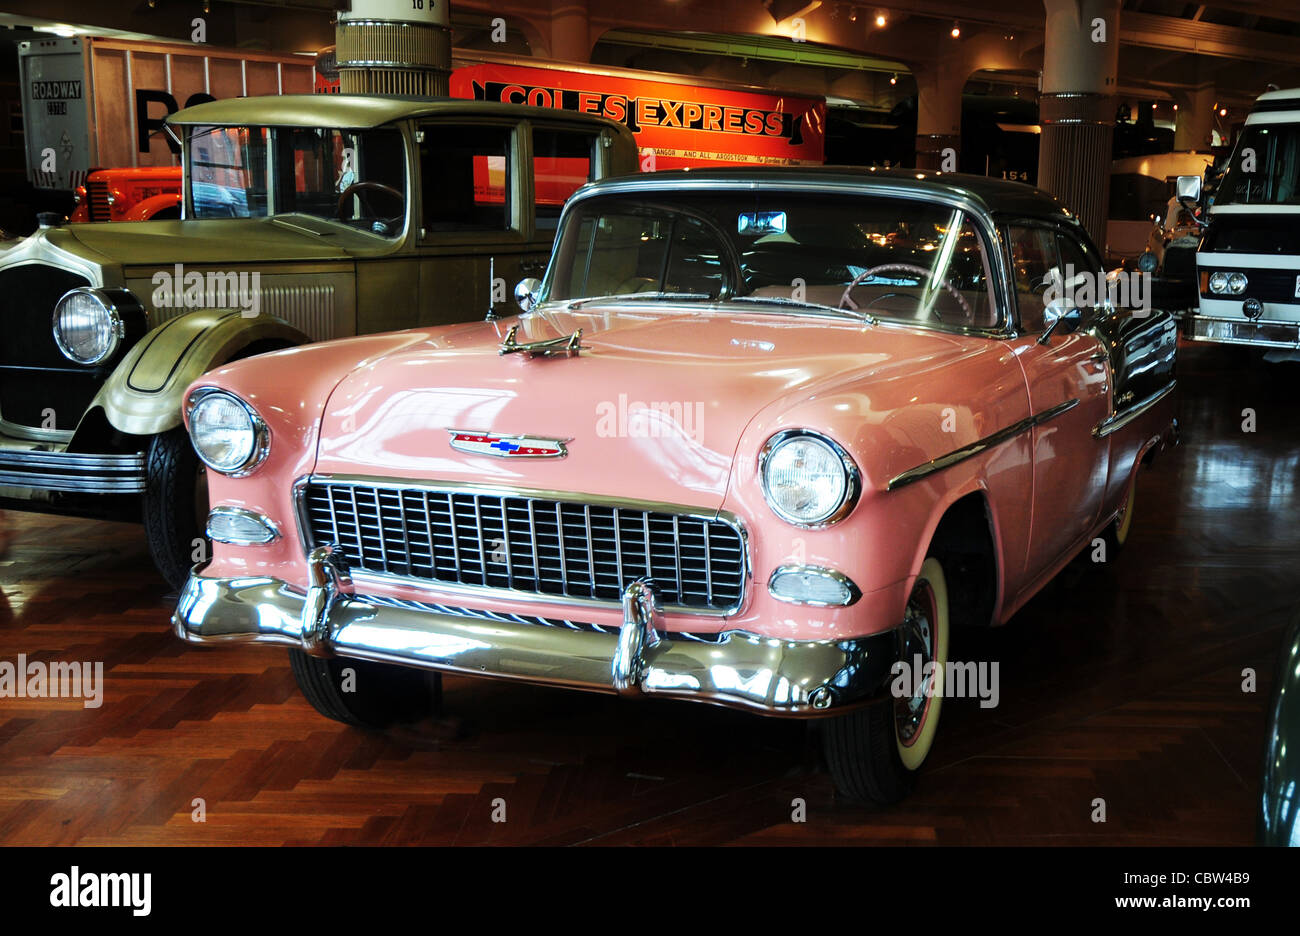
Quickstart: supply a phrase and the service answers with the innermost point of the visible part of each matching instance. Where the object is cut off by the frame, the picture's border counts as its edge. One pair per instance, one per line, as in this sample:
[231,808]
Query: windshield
[352,177]
[1274,176]
[898,259]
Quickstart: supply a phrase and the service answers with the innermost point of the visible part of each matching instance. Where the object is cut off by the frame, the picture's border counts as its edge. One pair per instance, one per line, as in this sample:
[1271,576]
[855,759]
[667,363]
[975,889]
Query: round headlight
[227,434]
[87,327]
[1147,263]
[807,479]
[1236,283]
[1218,282]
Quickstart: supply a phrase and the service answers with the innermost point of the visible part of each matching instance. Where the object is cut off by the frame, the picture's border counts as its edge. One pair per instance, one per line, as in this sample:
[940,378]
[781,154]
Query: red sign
[683,125]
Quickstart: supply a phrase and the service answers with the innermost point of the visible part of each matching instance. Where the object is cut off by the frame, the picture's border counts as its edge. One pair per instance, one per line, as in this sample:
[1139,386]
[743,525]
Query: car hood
[214,242]
[652,408]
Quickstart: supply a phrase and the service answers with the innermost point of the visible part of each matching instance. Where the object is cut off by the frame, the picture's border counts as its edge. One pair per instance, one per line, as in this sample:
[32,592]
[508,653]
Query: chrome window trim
[854,592]
[511,594]
[852,481]
[986,224]
[978,446]
[261,433]
[1117,421]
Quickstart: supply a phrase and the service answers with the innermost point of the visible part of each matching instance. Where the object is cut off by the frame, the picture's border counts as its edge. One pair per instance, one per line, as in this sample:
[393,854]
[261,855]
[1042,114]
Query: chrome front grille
[568,549]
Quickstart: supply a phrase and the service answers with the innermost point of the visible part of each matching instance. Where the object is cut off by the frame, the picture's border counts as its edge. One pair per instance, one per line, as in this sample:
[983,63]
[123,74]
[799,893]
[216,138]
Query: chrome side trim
[1117,421]
[684,511]
[977,447]
[741,670]
[73,472]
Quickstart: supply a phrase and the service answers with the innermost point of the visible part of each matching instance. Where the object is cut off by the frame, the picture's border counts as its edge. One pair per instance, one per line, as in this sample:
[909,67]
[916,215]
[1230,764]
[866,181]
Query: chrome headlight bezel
[109,307]
[260,445]
[1237,283]
[1218,282]
[852,489]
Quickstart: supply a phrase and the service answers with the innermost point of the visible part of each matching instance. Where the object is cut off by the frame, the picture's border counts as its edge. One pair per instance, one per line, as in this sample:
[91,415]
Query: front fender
[143,395]
[145,210]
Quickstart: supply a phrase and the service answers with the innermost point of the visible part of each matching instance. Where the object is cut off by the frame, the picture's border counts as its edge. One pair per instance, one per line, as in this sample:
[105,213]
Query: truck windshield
[908,260]
[1271,153]
[353,177]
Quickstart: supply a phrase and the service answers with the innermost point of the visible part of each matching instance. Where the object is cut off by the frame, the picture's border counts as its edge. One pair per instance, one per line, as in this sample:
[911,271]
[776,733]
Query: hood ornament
[506,446]
[550,347]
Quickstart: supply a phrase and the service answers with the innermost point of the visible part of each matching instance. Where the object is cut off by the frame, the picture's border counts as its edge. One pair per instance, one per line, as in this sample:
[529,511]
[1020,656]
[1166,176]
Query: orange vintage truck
[150,193]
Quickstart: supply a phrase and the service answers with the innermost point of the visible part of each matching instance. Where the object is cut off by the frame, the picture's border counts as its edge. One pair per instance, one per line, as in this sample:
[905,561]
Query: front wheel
[1116,534]
[874,753]
[175,506]
[364,694]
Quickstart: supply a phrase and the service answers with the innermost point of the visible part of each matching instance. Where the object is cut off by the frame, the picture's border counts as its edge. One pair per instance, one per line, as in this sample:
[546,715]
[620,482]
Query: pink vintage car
[759,437]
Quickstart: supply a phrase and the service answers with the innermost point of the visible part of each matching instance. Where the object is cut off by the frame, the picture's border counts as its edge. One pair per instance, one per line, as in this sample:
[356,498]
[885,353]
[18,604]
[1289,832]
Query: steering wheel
[846,300]
[360,188]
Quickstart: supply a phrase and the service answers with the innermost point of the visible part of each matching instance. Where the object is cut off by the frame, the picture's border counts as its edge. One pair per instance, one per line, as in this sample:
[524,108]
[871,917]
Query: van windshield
[352,177]
[1265,167]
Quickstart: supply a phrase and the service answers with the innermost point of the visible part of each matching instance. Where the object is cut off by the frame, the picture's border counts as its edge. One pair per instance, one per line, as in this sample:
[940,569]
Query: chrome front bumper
[772,676]
[1263,333]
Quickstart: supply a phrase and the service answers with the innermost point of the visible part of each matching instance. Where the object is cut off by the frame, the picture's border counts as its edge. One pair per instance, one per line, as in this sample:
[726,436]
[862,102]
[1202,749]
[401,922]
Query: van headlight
[227,433]
[807,479]
[88,327]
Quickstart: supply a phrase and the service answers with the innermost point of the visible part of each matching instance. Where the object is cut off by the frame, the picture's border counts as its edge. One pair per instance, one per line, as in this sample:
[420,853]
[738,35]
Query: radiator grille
[97,201]
[567,549]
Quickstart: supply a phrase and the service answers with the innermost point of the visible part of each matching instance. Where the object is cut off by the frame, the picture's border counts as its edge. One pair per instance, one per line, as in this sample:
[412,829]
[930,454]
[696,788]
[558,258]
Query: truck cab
[305,217]
[1248,262]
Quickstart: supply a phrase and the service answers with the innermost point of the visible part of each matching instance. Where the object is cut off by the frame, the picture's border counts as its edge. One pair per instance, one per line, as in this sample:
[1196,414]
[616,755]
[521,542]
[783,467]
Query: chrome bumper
[775,677]
[1265,334]
[77,472]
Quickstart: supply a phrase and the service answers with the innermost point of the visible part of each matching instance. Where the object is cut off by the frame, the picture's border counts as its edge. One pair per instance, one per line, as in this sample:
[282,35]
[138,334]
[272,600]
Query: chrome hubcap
[916,642]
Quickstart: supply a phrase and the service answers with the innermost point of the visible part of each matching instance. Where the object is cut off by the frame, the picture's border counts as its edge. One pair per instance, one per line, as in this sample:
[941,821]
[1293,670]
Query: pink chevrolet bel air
[758,436]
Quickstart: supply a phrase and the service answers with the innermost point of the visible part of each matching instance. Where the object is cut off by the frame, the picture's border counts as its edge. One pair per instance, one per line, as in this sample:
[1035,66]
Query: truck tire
[175,506]
[378,694]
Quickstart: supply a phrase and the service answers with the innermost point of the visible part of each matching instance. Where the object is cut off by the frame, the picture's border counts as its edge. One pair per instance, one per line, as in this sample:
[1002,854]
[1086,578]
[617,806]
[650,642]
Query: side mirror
[1059,320]
[1188,188]
[526,293]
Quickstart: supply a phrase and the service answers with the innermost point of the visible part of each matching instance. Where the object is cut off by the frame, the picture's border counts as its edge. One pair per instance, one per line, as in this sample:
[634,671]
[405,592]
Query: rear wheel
[874,753]
[175,506]
[1116,534]
[365,694]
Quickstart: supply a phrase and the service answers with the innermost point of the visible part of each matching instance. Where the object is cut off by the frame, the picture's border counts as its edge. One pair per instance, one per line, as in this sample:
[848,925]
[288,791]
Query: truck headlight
[88,327]
[1218,283]
[807,479]
[1237,283]
[227,433]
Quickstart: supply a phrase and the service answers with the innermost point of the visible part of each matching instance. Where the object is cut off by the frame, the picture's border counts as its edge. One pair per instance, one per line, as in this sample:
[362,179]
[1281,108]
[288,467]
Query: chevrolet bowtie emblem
[506,446]
[551,347]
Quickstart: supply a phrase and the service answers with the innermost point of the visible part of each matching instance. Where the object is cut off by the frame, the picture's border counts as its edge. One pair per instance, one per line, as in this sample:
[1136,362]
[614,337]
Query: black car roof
[996,196]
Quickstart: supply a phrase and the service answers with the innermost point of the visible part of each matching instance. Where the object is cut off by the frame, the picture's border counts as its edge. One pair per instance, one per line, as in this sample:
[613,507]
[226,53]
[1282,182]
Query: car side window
[466,176]
[1078,262]
[563,162]
[1033,257]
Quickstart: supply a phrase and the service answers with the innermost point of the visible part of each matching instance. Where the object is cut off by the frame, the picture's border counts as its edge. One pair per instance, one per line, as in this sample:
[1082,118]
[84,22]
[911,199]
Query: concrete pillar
[1077,106]
[1194,125]
[938,113]
[570,31]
